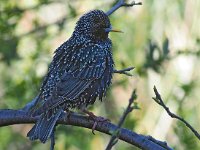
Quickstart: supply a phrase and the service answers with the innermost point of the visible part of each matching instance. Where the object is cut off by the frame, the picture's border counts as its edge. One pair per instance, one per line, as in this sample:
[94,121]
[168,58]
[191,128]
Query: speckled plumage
[80,72]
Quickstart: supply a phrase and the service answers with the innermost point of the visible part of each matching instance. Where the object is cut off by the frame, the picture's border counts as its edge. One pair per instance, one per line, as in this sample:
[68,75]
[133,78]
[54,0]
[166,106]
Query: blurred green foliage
[161,39]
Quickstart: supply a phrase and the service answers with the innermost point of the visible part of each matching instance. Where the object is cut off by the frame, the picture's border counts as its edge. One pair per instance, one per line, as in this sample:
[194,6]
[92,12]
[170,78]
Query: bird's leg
[95,118]
[124,71]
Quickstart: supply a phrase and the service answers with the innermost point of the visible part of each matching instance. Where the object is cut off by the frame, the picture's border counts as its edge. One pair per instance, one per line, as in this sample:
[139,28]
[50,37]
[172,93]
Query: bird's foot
[96,119]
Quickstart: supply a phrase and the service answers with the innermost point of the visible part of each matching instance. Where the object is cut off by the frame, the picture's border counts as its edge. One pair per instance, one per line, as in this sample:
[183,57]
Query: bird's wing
[80,68]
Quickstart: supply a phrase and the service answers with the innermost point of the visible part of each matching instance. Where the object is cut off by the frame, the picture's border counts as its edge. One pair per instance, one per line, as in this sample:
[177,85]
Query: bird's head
[94,24]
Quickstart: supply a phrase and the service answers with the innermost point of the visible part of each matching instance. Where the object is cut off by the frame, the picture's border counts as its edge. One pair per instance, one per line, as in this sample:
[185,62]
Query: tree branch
[159,101]
[124,71]
[114,138]
[121,3]
[11,117]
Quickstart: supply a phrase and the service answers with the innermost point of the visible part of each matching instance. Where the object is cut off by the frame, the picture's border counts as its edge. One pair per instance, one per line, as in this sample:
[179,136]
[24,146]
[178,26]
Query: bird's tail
[44,127]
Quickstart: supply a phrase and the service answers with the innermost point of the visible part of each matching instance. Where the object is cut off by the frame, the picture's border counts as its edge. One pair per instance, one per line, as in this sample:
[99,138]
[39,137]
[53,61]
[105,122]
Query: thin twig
[115,134]
[11,117]
[121,3]
[159,100]
[124,71]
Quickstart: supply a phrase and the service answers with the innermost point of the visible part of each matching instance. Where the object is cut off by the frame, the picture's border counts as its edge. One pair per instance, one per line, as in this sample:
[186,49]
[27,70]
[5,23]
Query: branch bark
[11,117]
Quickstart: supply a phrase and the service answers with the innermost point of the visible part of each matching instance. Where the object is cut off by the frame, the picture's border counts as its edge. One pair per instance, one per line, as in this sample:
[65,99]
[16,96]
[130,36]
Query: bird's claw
[95,118]
[96,121]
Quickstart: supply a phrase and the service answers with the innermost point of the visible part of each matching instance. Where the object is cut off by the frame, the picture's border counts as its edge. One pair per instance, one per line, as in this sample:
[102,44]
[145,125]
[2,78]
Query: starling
[80,72]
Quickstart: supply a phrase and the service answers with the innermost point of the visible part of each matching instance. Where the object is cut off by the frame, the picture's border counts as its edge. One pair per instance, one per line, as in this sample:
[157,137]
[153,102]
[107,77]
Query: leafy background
[161,39]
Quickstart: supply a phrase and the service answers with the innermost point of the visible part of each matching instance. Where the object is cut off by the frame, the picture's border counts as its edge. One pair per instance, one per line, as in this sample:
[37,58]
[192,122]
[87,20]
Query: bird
[81,72]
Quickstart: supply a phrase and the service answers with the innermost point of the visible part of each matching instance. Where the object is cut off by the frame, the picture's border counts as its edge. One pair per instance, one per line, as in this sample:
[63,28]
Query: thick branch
[159,100]
[121,3]
[11,117]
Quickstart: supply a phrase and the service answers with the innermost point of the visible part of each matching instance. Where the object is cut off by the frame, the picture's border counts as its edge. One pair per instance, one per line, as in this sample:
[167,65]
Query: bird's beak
[112,30]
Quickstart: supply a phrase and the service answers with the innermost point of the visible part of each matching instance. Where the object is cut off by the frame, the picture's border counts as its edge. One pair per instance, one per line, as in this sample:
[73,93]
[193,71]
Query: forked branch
[122,3]
[159,101]
[115,134]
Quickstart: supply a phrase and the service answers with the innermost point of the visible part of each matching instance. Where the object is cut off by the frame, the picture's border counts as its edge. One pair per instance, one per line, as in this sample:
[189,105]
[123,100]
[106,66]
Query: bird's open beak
[112,30]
